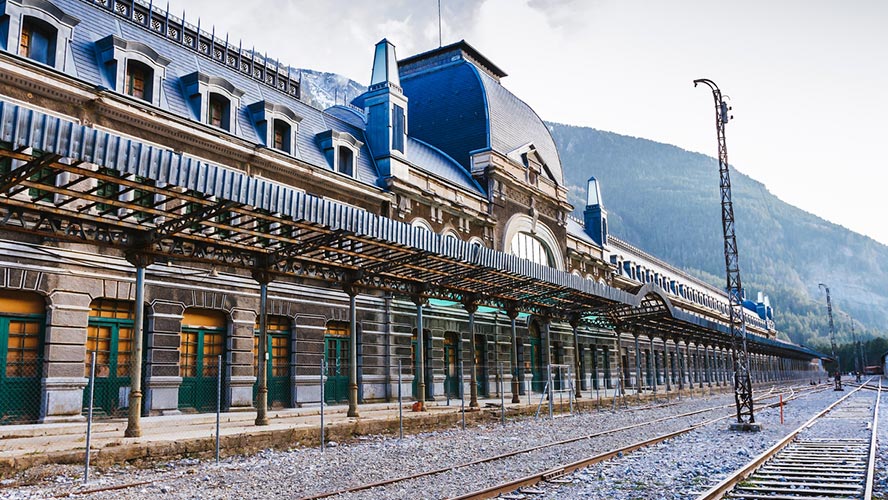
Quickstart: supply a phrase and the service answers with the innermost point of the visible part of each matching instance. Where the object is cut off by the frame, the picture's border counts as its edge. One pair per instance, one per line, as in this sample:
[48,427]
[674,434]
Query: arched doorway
[22,320]
[278,361]
[336,354]
[202,341]
[452,354]
[110,336]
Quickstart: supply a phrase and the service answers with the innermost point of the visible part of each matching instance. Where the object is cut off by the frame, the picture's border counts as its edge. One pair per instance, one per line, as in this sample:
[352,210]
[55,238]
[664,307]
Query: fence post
[400,405]
[89,413]
[323,368]
[502,396]
[218,401]
[527,386]
[550,386]
[462,395]
[570,386]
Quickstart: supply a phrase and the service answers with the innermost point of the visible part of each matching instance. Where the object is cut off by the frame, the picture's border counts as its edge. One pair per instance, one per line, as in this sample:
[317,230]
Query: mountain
[665,200]
[322,90]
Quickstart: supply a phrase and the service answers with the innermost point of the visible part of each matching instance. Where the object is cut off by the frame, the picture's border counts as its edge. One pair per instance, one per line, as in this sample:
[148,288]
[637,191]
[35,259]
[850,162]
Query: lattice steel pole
[832,337]
[742,382]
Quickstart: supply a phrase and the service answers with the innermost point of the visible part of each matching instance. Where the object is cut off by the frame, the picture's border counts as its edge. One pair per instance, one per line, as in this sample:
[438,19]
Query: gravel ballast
[706,454]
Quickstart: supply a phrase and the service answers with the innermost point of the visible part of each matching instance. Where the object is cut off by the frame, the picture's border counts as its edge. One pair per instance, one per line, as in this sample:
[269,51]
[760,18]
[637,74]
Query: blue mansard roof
[432,160]
[458,105]
[98,22]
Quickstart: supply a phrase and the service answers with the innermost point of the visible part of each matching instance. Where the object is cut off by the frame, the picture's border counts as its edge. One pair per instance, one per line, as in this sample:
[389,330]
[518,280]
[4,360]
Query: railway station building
[169,200]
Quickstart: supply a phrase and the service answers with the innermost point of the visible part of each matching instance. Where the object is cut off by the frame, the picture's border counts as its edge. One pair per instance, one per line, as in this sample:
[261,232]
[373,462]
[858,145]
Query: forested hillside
[666,200]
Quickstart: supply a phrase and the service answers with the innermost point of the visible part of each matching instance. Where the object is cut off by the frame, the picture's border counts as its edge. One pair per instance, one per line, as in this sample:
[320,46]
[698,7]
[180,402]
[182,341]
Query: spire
[595,216]
[593,195]
[385,111]
[385,65]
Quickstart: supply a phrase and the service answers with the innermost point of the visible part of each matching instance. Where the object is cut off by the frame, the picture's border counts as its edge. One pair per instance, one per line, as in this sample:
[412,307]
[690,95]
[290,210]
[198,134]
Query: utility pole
[859,364]
[742,381]
[832,338]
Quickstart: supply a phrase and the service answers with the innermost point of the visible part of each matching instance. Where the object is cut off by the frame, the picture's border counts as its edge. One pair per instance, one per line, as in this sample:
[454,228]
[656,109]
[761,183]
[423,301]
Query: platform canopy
[66,181]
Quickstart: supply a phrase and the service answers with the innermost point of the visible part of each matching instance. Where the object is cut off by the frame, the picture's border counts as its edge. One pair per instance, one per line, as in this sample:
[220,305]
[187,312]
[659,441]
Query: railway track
[554,473]
[548,475]
[825,464]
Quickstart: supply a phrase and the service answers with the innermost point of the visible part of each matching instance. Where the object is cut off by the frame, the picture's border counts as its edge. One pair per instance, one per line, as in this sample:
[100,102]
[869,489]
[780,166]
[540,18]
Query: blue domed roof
[458,105]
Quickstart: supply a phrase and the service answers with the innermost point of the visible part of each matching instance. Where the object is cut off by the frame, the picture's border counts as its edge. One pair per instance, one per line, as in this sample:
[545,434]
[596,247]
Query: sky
[805,77]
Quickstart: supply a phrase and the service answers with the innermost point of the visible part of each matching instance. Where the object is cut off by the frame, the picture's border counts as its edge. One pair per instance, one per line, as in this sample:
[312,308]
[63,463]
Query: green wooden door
[536,365]
[112,341]
[21,364]
[482,370]
[336,354]
[451,365]
[198,361]
[278,362]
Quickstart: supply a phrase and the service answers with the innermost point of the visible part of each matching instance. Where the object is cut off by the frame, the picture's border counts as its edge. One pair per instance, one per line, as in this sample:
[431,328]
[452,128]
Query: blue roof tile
[99,23]
[575,229]
[433,160]
[446,108]
[460,109]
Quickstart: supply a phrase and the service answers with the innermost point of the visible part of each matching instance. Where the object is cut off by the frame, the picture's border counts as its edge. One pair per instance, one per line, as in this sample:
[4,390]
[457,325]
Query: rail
[729,483]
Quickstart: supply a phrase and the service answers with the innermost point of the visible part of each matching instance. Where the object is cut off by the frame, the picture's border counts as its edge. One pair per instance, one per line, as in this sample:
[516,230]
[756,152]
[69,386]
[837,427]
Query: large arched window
[530,239]
[528,246]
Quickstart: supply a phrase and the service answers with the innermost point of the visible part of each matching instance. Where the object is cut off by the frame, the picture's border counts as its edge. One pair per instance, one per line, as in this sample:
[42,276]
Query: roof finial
[439,23]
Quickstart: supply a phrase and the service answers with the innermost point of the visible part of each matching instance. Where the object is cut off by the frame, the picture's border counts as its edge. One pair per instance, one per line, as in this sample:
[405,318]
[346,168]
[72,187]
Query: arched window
[139,79]
[38,41]
[219,110]
[282,136]
[346,161]
[528,246]
[421,224]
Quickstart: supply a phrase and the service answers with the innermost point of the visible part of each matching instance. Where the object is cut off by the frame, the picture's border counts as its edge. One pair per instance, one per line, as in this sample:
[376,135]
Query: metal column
[471,307]
[574,323]
[134,420]
[352,353]
[637,365]
[262,363]
[516,383]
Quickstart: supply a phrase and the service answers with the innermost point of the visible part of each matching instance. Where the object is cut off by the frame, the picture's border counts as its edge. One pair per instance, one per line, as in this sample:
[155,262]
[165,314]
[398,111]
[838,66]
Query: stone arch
[521,223]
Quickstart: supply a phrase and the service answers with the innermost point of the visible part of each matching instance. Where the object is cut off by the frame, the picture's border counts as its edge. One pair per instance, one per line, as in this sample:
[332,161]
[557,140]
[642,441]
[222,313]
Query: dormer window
[275,125]
[341,150]
[214,100]
[346,161]
[218,112]
[132,68]
[37,30]
[138,80]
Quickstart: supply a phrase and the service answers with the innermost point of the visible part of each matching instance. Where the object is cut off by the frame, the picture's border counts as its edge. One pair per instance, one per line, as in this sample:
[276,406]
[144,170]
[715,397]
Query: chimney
[385,107]
[595,216]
